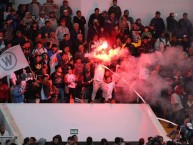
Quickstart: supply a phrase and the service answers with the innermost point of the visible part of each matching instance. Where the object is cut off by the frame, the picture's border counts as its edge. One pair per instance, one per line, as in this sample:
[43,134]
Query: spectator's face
[114,3]
[66,49]
[76,27]
[79,37]
[59,70]
[190,98]
[42,15]
[139,21]
[48,24]
[70,71]
[64,57]
[45,56]
[13,12]
[128,40]
[38,58]
[185,16]
[158,16]
[24,8]
[44,71]
[66,13]
[52,15]
[126,13]
[65,3]
[35,25]
[54,49]
[172,15]
[39,45]
[79,14]
[96,12]
[19,34]
[96,38]
[81,48]
[105,14]
[2,129]
[63,23]
[31,141]
[9,45]
[1,35]
[112,15]
[146,30]
[67,37]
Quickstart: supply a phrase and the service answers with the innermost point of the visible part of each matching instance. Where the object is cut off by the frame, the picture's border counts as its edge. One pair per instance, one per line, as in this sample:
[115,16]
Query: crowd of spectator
[55,49]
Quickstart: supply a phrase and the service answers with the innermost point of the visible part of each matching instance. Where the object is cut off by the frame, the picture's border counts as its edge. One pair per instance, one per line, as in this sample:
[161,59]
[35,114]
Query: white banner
[12,60]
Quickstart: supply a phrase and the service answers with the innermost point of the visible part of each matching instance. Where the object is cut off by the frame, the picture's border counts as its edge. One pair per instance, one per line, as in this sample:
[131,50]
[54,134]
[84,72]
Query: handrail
[8,136]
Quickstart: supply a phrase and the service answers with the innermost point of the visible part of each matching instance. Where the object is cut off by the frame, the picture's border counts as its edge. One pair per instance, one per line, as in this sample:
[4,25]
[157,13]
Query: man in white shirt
[178,109]
[98,81]
[5,133]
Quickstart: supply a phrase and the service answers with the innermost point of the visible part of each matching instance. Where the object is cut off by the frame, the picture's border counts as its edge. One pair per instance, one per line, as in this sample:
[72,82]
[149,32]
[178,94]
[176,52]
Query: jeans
[61,95]
[99,85]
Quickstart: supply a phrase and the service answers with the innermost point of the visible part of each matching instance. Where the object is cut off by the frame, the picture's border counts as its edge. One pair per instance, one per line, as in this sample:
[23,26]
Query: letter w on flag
[12,60]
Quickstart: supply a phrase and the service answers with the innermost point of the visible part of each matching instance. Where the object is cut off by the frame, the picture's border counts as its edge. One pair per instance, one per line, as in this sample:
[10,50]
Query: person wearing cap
[34,8]
[116,9]
[28,20]
[65,6]
[67,18]
[53,20]
[158,23]
[42,19]
[49,6]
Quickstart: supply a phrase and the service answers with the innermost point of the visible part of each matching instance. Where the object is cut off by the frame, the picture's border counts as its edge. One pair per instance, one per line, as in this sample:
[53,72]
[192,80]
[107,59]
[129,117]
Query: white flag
[12,60]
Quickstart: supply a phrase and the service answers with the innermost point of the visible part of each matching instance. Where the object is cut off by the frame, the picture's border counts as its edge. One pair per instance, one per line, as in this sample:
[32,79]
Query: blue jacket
[17,95]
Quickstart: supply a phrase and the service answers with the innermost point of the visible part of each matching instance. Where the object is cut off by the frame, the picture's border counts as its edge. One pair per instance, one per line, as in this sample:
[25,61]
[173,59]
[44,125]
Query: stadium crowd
[55,49]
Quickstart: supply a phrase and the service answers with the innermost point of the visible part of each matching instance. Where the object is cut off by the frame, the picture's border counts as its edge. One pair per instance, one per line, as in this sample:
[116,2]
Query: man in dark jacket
[158,23]
[171,23]
[116,9]
[94,16]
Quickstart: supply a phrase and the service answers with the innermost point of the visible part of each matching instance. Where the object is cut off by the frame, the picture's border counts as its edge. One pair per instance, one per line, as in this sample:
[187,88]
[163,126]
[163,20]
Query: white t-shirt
[60,31]
[176,102]
[99,73]
[71,79]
